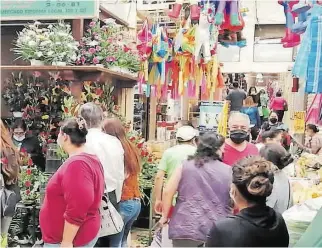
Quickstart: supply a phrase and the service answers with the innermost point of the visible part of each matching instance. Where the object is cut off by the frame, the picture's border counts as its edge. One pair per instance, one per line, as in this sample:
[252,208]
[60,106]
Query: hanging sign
[299,122]
[210,115]
[13,10]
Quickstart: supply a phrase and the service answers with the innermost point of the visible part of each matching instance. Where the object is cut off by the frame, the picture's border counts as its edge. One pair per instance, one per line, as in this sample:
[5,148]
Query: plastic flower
[28,171]
[92,24]
[98,48]
[28,192]
[30,162]
[83,60]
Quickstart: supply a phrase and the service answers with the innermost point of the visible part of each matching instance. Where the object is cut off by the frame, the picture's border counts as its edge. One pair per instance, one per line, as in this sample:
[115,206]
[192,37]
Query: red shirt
[73,194]
[278,103]
[231,155]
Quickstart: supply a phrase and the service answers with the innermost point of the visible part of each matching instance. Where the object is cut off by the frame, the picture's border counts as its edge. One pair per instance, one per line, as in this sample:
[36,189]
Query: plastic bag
[161,238]
[299,217]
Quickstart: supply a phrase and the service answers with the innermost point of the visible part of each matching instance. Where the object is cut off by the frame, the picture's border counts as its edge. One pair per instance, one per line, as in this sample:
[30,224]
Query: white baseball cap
[186,133]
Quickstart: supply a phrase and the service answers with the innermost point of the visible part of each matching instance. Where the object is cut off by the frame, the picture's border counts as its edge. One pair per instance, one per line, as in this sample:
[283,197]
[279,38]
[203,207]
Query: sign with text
[299,122]
[210,114]
[13,10]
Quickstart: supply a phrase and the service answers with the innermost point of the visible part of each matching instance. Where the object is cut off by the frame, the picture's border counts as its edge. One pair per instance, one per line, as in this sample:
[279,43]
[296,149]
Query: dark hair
[132,161]
[250,90]
[276,154]
[235,84]
[19,123]
[278,94]
[271,134]
[208,145]
[313,127]
[76,129]
[254,178]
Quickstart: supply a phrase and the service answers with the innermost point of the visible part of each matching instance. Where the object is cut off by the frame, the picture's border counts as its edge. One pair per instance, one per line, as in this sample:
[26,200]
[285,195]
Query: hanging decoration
[188,64]
[308,63]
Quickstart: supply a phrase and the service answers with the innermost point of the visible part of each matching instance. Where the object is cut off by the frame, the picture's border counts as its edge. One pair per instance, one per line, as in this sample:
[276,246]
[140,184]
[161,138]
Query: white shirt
[110,152]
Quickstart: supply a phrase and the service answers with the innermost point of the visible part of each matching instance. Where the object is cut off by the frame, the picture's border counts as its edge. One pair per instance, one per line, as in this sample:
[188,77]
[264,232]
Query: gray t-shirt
[236,98]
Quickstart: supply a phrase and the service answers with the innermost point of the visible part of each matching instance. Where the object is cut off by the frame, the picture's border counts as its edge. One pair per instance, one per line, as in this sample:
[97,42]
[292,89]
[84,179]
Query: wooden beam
[105,13]
[78,29]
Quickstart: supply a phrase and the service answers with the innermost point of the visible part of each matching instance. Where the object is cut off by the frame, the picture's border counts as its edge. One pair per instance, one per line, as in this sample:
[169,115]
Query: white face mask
[19,138]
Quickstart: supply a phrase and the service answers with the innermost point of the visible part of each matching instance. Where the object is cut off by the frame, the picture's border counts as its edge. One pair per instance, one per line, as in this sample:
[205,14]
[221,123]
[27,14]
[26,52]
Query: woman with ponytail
[10,162]
[130,204]
[281,198]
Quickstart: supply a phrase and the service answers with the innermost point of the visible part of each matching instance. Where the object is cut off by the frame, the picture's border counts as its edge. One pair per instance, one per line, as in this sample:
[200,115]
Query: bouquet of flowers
[30,180]
[32,42]
[104,46]
[62,45]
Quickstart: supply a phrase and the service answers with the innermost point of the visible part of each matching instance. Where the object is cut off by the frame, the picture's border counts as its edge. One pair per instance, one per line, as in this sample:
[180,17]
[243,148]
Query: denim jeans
[89,245]
[129,210]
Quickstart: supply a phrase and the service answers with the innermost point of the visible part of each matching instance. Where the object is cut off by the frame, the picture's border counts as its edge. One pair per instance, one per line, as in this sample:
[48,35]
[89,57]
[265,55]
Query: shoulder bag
[8,200]
[111,220]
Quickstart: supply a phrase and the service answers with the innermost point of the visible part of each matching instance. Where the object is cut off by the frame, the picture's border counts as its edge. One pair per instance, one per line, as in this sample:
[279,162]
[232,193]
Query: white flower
[109,21]
[58,43]
[32,43]
[37,23]
[73,57]
[50,26]
[39,54]
[92,43]
[50,53]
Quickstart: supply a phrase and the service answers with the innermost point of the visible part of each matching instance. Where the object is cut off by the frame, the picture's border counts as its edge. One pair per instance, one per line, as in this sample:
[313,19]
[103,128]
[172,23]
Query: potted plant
[32,43]
[62,47]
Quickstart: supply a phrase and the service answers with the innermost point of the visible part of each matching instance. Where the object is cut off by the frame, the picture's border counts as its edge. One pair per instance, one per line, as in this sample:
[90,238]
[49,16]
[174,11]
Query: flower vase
[17,114]
[36,62]
[59,63]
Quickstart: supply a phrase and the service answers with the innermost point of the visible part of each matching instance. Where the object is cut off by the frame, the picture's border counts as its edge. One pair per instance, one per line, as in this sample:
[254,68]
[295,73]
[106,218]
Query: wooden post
[129,109]
[78,29]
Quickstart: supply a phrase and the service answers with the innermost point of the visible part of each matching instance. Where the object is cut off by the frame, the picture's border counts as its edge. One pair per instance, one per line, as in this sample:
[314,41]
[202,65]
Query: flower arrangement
[30,180]
[104,46]
[53,44]
[32,42]
[62,45]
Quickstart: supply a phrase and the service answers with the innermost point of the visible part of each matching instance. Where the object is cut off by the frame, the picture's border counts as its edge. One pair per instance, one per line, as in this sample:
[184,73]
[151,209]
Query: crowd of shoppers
[218,193]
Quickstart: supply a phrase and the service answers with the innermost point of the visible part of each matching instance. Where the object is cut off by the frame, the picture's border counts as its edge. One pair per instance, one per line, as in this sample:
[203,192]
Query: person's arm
[78,190]
[158,182]
[169,192]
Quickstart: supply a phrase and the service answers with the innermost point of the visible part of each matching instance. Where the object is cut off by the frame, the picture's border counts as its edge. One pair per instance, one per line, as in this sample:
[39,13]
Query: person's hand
[66,245]
[158,207]
[163,221]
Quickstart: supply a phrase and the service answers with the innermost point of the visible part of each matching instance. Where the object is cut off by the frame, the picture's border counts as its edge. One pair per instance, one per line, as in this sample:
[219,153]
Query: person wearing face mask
[281,198]
[237,146]
[28,142]
[256,225]
[271,123]
[69,216]
[172,158]
[202,183]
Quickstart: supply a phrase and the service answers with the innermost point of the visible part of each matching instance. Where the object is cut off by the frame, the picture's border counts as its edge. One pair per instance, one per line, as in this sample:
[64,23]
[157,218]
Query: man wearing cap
[172,158]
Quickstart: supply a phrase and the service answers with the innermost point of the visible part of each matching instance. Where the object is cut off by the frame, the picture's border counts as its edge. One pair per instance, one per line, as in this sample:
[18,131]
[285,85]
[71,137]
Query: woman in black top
[256,225]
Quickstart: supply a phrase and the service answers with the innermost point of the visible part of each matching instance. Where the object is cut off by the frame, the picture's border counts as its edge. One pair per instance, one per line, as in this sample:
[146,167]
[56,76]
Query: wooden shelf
[77,73]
